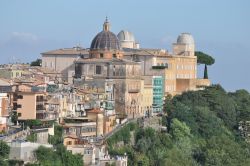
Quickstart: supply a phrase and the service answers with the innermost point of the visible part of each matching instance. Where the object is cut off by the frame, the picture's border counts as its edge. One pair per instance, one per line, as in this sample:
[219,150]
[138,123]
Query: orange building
[28,102]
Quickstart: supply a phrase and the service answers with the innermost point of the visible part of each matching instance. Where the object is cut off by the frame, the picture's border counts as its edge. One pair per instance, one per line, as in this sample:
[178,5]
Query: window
[20,96]
[19,114]
[114,70]
[98,70]
[101,55]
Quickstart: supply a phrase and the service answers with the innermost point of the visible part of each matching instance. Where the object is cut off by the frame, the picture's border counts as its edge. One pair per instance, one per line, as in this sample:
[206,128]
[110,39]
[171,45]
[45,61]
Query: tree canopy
[202,130]
[47,157]
[37,62]
[4,153]
[203,58]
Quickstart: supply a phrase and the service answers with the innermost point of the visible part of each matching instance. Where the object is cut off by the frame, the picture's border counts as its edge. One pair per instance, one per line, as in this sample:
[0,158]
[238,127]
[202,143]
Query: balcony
[40,99]
[160,67]
[53,110]
[137,90]
[40,111]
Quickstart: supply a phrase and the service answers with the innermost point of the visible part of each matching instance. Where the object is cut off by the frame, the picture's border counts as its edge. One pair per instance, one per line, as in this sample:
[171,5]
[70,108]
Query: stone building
[120,61]
[62,61]
[106,64]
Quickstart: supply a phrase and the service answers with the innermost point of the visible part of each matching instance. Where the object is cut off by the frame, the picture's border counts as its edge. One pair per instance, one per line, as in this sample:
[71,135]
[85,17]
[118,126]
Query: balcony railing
[133,90]
[159,67]
[40,111]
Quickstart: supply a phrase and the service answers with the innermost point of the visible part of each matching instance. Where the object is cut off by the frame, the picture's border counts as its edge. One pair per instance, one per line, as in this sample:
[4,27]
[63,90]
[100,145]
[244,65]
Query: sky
[220,28]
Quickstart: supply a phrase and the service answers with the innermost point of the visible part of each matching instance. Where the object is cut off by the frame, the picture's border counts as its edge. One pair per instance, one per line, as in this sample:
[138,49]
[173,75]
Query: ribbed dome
[105,40]
[126,36]
[185,38]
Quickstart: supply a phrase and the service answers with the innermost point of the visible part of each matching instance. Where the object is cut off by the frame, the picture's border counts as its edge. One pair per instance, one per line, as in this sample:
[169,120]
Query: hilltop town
[89,94]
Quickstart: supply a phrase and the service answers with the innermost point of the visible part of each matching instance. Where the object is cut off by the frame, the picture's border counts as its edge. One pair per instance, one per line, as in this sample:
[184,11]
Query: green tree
[14,117]
[56,139]
[141,160]
[3,162]
[221,150]
[37,62]
[4,153]
[32,137]
[47,157]
[205,59]
[205,73]
[176,157]
[242,101]
[67,158]
[179,130]
[4,150]
[32,123]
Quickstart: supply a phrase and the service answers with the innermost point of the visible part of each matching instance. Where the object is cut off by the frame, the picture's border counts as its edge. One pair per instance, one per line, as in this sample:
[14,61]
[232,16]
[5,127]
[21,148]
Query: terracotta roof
[145,51]
[113,60]
[71,136]
[67,51]
[96,111]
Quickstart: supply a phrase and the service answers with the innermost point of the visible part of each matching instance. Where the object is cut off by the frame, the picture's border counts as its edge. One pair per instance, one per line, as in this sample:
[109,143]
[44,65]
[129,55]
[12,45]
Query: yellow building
[179,68]
[147,99]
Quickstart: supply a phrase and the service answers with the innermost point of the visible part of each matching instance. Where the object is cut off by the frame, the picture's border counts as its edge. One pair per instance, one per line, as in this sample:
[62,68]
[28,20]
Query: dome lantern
[106,25]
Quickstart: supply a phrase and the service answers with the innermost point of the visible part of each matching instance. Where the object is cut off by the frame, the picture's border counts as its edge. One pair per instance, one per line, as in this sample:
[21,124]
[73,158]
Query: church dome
[105,40]
[185,38]
[125,35]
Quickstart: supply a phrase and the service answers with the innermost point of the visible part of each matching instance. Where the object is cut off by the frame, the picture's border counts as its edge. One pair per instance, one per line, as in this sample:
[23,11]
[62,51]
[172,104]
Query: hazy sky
[220,28]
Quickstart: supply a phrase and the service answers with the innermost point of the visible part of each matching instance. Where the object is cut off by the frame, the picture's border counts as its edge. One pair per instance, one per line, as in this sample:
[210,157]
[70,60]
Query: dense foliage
[4,153]
[37,62]
[47,157]
[57,138]
[56,156]
[32,137]
[202,130]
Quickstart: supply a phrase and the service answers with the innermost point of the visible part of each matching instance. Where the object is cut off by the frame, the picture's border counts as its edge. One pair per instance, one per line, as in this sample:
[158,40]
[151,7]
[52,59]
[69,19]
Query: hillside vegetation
[202,130]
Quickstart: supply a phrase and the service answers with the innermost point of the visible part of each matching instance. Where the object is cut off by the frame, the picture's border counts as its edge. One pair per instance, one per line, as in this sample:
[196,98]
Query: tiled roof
[67,51]
[102,60]
[96,111]
[145,51]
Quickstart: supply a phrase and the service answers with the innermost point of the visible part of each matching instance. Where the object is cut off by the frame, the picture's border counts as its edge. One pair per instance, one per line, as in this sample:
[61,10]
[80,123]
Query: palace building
[140,78]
